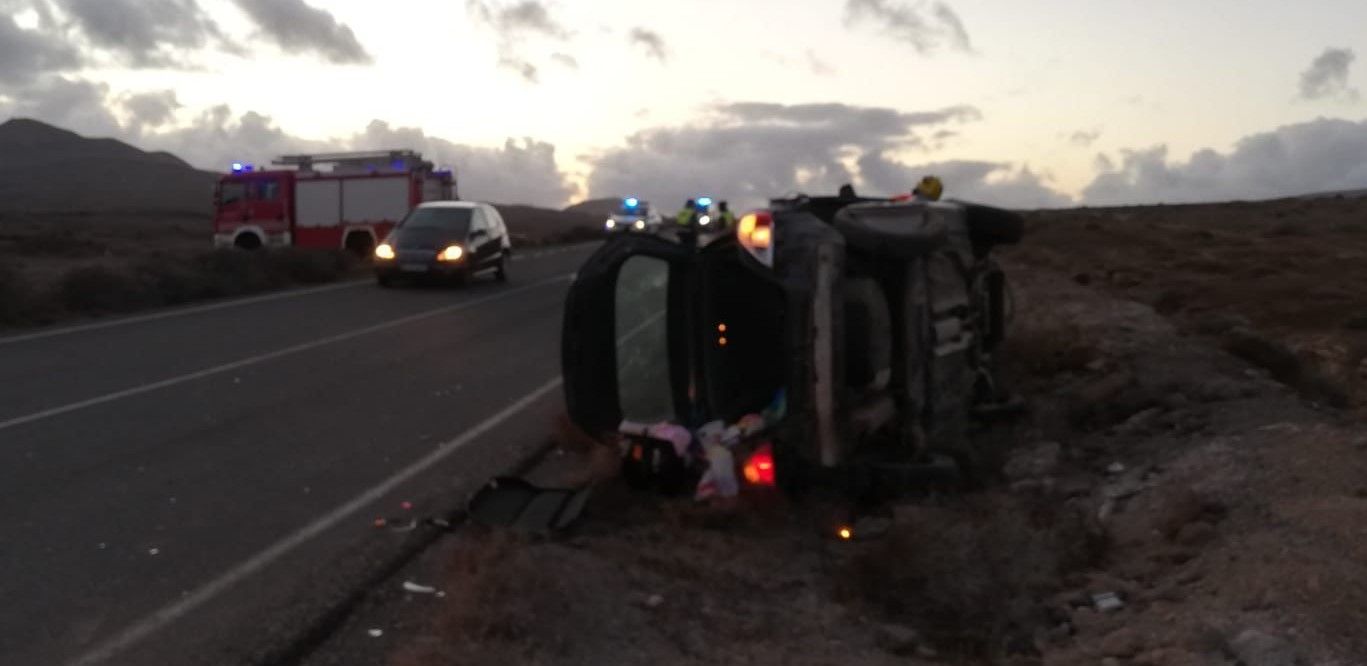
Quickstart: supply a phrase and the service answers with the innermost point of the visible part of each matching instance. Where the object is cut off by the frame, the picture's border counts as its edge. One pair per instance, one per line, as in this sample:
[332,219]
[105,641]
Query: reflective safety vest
[685,217]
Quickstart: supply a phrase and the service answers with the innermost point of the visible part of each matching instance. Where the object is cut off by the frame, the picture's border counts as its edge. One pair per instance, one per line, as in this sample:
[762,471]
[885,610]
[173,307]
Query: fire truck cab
[330,201]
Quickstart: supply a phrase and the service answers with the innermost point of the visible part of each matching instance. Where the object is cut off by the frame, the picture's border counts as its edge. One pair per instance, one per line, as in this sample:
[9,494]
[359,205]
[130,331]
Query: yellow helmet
[930,187]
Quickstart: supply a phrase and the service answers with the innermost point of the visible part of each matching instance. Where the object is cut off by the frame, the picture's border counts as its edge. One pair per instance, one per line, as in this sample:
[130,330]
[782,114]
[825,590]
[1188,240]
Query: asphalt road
[192,488]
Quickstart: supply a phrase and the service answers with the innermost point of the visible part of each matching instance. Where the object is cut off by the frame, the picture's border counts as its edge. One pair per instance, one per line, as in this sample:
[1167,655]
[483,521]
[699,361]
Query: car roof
[451,204]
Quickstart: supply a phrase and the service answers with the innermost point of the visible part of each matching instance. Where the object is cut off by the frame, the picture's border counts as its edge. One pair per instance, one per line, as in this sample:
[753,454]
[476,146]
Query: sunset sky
[1047,103]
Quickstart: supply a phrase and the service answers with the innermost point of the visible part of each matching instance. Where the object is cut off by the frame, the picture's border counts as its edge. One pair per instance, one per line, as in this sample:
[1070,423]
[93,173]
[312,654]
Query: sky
[1040,104]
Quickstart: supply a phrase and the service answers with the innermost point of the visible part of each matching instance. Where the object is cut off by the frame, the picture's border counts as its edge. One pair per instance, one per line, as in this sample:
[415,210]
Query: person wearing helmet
[929,189]
[725,218]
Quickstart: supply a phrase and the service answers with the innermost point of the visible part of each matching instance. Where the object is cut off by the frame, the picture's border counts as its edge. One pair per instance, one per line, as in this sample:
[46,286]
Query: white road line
[177,312]
[253,360]
[165,616]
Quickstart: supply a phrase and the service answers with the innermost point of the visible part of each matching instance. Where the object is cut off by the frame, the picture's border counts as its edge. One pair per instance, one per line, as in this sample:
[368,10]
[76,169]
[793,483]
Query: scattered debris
[1106,602]
[410,586]
[654,601]
[154,551]
[376,633]
[1115,468]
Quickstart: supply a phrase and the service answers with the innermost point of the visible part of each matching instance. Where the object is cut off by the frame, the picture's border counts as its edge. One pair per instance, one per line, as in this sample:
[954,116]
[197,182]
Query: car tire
[501,273]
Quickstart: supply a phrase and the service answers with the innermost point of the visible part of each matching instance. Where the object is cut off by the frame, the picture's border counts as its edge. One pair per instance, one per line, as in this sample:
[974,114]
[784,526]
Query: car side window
[496,227]
[477,221]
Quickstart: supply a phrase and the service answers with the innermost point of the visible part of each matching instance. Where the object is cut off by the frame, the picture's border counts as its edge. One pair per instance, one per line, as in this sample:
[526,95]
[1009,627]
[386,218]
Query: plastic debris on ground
[376,633]
[1107,602]
[414,588]
[720,478]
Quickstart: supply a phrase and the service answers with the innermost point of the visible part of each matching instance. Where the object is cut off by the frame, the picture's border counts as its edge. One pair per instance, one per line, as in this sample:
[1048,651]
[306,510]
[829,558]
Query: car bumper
[429,268]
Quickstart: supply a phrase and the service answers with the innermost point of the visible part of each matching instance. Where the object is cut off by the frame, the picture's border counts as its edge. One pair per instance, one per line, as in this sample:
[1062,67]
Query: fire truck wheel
[502,272]
[247,241]
[359,244]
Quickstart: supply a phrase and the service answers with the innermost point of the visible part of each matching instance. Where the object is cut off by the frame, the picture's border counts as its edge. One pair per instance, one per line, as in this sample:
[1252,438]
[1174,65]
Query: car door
[629,312]
[478,242]
[498,232]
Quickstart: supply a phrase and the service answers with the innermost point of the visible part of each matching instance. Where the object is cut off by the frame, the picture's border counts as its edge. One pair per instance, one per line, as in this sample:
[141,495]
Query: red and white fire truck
[334,201]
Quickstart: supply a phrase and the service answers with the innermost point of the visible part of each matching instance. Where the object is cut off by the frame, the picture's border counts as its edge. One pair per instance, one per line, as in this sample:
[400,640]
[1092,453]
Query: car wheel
[502,272]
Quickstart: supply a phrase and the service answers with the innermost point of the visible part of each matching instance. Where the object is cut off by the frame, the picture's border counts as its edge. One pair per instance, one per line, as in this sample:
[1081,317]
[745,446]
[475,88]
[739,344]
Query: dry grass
[974,577]
[1290,269]
[159,280]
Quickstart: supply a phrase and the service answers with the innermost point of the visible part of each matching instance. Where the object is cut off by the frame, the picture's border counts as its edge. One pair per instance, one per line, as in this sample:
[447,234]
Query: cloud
[74,104]
[653,43]
[910,24]
[566,60]
[27,54]
[1315,156]
[1327,76]
[297,27]
[520,171]
[514,25]
[144,33]
[808,60]
[525,69]
[954,26]
[749,152]
[1084,138]
[995,183]
[816,65]
[150,109]
[524,17]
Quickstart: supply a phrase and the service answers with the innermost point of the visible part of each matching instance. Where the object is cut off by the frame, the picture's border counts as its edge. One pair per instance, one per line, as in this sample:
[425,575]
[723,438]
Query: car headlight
[384,251]
[451,253]
[640,224]
[610,224]
[705,220]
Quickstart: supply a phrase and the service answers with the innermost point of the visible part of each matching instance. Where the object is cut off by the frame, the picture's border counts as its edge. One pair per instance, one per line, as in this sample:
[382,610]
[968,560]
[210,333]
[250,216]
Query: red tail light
[759,467]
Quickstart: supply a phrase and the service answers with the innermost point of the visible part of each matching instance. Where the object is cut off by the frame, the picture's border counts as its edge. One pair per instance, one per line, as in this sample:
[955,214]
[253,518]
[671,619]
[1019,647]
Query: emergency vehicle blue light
[237,166]
[397,164]
[247,168]
[632,202]
[704,201]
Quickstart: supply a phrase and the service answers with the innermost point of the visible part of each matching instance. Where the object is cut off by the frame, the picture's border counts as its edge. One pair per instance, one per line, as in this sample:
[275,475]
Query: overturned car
[838,341]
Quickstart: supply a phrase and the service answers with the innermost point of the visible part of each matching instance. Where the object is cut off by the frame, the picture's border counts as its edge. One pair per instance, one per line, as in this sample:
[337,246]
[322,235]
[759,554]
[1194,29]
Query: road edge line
[168,614]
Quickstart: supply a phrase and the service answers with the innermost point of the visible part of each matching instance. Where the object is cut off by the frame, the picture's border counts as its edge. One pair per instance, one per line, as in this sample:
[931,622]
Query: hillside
[47,169]
[598,208]
[544,224]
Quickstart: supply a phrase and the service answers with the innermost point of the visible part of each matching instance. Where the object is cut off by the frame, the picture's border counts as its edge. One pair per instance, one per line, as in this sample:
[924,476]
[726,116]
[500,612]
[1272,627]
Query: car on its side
[445,239]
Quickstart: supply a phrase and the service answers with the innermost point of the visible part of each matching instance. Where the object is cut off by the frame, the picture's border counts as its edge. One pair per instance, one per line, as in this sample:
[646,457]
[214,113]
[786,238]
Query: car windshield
[456,220]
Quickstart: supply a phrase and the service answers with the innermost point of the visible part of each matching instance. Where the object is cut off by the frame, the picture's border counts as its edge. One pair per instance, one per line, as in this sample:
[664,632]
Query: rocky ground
[1182,492]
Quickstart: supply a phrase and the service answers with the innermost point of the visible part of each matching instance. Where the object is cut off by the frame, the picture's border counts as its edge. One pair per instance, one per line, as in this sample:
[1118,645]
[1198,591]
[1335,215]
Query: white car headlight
[705,220]
[640,224]
[610,224]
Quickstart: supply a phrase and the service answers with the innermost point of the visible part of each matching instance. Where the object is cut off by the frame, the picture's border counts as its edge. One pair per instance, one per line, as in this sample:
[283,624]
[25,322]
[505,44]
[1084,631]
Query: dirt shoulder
[1166,502]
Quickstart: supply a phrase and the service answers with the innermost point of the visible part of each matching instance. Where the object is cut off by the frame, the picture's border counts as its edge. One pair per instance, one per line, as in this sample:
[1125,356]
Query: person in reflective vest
[725,217]
[685,216]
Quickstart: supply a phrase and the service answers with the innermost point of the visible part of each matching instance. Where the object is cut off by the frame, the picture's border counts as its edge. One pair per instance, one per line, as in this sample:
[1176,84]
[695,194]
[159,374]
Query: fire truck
[335,200]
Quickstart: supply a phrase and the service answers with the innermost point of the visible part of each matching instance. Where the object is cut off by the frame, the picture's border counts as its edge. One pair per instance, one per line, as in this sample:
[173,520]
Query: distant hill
[531,222]
[44,168]
[599,208]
